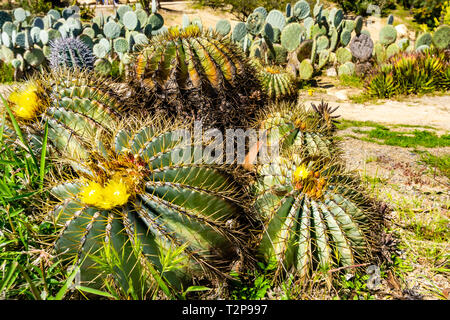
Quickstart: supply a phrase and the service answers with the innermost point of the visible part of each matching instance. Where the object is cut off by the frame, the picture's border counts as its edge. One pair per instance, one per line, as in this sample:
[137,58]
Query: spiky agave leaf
[277,83]
[77,107]
[315,215]
[158,199]
[325,111]
[198,75]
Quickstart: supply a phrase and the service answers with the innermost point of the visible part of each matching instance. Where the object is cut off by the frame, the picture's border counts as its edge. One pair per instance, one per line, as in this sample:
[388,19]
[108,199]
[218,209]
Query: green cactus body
[390,19]
[276,19]
[278,55]
[388,35]
[277,83]
[76,108]
[255,23]
[345,37]
[156,21]
[112,30]
[239,32]
[198,74]
[424,39]
[380,52]
[103,67]
[34,57]
[290,36]
[323,58]
[391,50]
[261,10]
[223,27]
[301,10]
[288,10]
[318,30]
[143,195]
[441,37]
[306,69]
[347,69]
[358,24]
[4,17]
[334,39]
[130,20]
[322,43]
[315,214]
[343,55]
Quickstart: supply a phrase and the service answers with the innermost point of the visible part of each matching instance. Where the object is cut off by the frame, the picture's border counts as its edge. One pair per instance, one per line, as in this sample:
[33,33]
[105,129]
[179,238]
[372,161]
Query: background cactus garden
[118,124]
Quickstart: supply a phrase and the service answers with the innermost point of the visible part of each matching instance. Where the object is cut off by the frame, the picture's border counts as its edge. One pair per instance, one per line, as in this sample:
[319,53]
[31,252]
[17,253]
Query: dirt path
[421,111]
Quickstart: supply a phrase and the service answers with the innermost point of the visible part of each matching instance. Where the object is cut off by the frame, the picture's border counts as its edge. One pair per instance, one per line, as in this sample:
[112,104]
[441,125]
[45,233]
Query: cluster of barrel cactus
[129,181]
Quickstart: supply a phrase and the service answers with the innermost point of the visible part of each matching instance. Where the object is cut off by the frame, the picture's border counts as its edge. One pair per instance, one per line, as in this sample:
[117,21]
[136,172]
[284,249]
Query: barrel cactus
[290,124]
[147,190]
[198,75]
[71,53]
[316,215]
[75,105]
[277,83]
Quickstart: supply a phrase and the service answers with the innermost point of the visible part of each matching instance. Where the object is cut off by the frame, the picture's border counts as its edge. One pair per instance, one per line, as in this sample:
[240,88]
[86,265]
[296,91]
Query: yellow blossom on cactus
[92,194]
[311,91]
[301,173]
[115,194]
[26,102]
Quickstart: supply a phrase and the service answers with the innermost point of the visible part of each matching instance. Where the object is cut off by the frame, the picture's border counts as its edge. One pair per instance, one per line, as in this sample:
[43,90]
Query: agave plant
[75,105]
[406,73]
[198,75]
[146,188]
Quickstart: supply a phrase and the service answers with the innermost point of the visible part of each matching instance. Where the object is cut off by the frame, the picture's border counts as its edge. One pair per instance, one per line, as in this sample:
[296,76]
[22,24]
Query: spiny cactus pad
[441,37]
[290,36]
[388,35]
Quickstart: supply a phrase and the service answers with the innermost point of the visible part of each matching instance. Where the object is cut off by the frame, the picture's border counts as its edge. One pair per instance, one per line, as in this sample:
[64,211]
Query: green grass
[382,134]
[351,81]
[6,73]
[441,163]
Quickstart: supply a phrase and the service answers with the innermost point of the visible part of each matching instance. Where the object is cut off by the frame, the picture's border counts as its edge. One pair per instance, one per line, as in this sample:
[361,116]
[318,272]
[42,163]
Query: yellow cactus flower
[311,91]
[92,194]
[26,102]
[115,194]
[301,173]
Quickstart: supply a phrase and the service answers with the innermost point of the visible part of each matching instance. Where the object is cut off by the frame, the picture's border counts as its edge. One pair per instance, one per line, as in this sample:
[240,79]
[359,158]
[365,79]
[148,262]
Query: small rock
[402,31]
[331,72]
[341,95]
